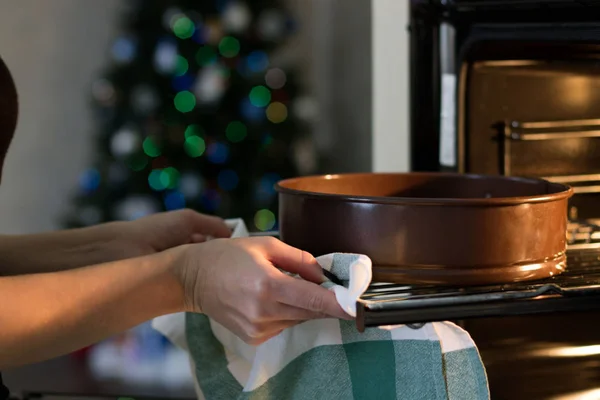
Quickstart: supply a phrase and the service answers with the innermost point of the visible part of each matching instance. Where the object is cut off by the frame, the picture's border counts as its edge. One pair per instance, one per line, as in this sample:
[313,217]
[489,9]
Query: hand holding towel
[329,358]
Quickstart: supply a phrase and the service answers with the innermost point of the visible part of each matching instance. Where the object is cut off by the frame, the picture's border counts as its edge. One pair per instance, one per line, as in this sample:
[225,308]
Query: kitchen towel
[329,358]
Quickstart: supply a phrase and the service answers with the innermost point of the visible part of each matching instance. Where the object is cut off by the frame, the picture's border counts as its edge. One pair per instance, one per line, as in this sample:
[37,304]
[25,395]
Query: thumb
[293,260]
[308,296]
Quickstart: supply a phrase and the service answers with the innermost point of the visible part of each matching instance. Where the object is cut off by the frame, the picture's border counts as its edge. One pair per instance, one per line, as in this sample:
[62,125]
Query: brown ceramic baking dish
[431,228]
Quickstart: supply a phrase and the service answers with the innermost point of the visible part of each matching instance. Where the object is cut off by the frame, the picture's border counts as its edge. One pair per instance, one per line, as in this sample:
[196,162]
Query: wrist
[112,241]
[169,285]
[98,241]
[189,273]
[55,251]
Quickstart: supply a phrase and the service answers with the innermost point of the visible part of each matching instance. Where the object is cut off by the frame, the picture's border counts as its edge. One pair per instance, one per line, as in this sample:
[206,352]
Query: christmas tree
[196,111]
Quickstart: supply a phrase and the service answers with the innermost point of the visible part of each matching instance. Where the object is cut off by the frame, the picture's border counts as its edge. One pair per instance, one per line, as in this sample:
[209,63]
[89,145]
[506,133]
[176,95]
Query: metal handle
[578,182]
[515,131]
[554,135]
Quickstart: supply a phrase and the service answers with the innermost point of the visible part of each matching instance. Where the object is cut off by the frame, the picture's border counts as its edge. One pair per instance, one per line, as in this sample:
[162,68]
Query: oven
[512,87]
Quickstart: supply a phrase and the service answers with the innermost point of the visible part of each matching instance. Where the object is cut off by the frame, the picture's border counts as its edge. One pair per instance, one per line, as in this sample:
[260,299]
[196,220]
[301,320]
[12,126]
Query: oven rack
[578,288]
[512,132]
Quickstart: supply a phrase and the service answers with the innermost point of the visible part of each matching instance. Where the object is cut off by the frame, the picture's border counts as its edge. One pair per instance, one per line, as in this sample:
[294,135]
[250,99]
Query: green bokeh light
[137,162]
[225,73]
[172,177]
[181,65]
[205,55]
[236,131]
[260,96]
[183,28]
[150,147]
[193,130]
[264,219]
[229,47]
[184,101]
[267,141]
[194,146]
[158,179]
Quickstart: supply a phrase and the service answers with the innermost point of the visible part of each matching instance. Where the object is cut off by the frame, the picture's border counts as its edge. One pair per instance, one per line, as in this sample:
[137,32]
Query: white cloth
[328,358]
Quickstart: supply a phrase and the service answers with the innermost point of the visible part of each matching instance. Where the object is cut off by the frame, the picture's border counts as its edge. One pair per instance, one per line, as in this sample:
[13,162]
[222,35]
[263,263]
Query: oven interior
[531,108]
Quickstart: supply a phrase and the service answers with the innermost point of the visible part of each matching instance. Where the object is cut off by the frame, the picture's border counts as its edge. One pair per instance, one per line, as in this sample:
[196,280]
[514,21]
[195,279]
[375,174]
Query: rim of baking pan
[565,193]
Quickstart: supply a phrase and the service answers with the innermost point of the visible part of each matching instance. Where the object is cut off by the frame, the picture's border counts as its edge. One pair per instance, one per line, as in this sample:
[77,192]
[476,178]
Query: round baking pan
[431,228]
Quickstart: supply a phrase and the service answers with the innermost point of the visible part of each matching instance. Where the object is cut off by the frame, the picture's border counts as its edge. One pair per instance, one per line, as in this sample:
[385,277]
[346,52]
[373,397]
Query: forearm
[47,315]
[55,251]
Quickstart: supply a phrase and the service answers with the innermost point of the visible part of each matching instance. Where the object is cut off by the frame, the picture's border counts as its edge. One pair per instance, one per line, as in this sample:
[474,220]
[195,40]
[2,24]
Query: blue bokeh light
[200,34]
[257,61]
[174,200]
[89,181]
[123,49]
[228,179]
[210,200]
[183,82]
[265,190]
[251,112]
[217,153]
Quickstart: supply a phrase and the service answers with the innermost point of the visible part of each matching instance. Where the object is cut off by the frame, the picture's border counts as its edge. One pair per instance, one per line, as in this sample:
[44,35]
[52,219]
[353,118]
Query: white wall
[335,47]
[390,86]
[53,49]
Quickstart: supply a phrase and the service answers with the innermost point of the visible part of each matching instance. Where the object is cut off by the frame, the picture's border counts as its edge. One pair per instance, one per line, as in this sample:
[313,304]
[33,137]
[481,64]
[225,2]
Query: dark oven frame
[563,22]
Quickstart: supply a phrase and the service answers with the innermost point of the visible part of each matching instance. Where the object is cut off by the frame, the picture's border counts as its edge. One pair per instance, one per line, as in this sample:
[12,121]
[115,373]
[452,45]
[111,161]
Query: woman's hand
[238,284]
[160,232]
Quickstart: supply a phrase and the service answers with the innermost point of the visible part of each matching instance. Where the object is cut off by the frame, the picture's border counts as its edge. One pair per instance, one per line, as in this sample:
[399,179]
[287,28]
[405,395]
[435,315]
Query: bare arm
[234,281]
[67,249]
[50,314]
[56,251]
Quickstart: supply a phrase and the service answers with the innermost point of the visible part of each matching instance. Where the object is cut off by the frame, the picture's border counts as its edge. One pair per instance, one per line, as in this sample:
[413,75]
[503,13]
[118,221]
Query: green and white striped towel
[329,358]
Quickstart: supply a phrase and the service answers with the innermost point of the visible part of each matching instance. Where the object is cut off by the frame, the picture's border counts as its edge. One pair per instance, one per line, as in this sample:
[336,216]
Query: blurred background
[132,107]
[62,55]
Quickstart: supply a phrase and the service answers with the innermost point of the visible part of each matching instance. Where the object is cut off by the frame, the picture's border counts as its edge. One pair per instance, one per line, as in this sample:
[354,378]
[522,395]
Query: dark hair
[9,110]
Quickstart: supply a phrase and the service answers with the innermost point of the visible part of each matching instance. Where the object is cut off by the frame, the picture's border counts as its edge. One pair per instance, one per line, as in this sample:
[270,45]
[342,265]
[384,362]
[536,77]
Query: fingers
[301,293]
[198,238]
[308,296]
[256,334]
[293,260]
[207,225]
[283,317]
[287,312]
[252,331]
